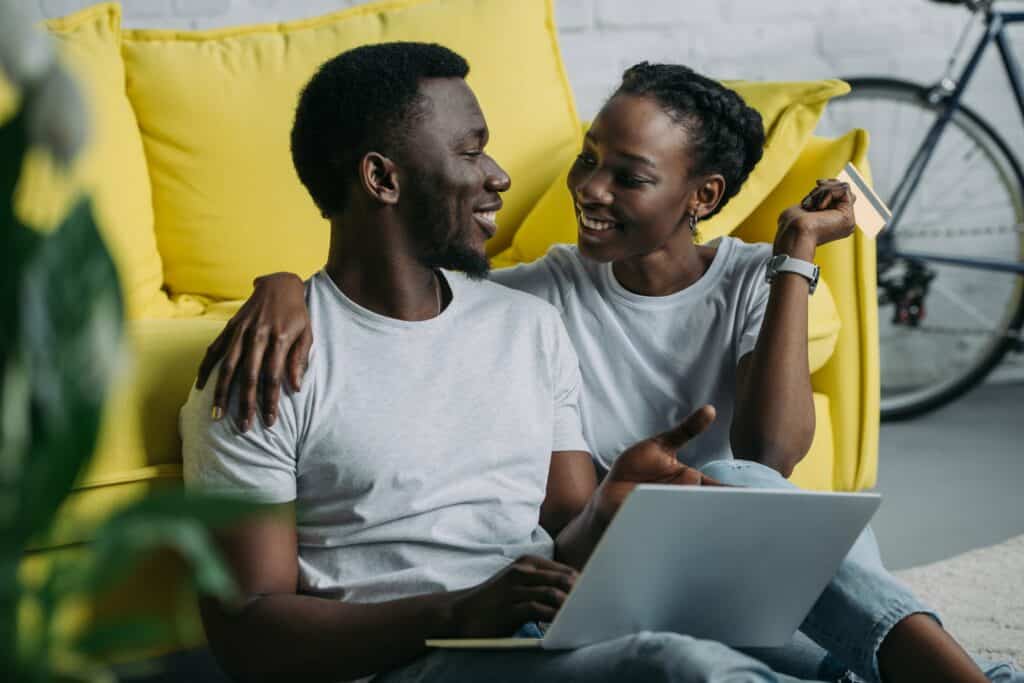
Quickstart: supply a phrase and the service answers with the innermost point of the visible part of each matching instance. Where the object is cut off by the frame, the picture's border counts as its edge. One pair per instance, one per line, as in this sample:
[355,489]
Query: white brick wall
[776,39]
[780,39]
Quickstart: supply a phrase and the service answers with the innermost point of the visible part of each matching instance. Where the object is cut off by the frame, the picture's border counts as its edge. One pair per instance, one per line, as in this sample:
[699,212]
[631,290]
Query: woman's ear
[709,194]
[378,175]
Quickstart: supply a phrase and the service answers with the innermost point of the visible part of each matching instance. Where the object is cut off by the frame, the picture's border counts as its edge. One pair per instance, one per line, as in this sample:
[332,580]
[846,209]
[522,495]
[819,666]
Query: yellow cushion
[823,326]
[216,107]
[790,112]
[850,377]
[815,471]
[140,427]
[113,166]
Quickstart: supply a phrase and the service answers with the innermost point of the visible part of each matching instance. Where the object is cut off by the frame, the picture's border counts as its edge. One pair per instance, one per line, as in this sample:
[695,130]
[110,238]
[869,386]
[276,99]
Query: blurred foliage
[61,318]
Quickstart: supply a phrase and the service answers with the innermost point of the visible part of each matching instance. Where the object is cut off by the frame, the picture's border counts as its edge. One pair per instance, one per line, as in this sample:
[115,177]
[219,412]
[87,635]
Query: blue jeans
[643,657]
[853,615]
[842,633]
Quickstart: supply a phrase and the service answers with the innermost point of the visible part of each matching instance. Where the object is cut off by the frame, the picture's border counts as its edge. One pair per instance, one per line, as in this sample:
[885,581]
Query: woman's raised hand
[825,215]
[270,331]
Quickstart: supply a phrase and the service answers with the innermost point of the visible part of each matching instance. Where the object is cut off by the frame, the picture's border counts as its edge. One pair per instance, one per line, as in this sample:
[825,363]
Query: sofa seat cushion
[216,108]
[112,168]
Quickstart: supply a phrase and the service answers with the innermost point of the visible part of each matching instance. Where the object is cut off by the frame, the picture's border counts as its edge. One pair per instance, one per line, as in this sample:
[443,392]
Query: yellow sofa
[196,195]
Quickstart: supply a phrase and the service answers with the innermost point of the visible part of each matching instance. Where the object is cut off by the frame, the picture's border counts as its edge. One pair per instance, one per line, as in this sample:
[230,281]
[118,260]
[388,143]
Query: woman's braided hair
[726,136]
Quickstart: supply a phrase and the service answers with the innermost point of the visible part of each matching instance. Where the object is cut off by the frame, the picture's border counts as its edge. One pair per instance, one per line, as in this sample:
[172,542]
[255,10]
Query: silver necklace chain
[437,290]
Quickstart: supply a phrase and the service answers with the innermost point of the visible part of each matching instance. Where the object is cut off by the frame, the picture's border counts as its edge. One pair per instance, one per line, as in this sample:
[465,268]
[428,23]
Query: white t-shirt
[648,362]
[417,452]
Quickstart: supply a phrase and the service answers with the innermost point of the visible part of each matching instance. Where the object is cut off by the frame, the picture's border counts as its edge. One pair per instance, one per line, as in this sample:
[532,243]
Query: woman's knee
[745,473]
[660,656]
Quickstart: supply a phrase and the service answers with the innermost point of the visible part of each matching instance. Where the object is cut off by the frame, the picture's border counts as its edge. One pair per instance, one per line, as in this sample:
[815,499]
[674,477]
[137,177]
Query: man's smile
[486,220]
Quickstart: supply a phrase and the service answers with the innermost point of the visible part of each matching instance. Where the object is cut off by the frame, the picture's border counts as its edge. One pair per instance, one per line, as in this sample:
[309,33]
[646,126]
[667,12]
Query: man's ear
[709,194]
[378,175]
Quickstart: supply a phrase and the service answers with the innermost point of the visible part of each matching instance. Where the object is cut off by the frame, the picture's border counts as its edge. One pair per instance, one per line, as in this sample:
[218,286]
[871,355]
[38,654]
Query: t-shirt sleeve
[757,293]
[539,278]
[568,434]
[259,464]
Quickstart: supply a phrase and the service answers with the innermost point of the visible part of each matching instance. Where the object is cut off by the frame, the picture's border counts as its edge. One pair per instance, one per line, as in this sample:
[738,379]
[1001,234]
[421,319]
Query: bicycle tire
[897,405]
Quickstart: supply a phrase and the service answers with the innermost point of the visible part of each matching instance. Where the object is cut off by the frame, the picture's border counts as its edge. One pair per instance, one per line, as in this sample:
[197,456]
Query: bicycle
[951,261]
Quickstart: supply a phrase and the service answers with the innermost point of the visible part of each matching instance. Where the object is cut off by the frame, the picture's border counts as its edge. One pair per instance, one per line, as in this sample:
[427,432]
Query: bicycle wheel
[969,203]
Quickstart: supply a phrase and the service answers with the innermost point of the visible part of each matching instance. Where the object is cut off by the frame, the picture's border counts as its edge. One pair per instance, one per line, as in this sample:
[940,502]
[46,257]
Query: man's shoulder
[318,286]
[496,297]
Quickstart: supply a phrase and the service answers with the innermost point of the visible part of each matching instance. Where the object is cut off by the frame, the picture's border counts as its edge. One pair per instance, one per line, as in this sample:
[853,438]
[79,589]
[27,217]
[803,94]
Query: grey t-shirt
[648,362]
[417,453]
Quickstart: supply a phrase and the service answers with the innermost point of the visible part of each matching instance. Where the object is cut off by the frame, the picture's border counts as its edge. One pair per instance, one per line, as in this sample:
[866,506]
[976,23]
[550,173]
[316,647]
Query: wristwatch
[781,263]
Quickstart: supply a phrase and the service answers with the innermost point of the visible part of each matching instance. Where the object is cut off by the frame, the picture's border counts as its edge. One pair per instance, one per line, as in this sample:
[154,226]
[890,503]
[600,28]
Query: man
[437,435]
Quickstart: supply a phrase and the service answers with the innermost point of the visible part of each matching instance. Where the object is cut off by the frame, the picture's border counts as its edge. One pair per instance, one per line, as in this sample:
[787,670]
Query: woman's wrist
[794,241]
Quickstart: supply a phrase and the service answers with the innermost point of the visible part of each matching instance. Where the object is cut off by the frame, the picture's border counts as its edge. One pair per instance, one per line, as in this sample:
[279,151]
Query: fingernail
[217,413]
[271,419]
[245,425]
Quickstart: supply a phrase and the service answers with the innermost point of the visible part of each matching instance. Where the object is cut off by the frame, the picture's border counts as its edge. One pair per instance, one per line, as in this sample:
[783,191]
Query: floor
[952,480]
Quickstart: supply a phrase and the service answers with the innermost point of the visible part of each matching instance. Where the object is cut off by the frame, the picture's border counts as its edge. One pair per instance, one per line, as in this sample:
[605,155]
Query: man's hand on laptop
[654,461]
[530,589]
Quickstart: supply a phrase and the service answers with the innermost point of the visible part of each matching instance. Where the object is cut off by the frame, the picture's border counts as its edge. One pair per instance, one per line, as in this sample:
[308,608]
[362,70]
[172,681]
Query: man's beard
[441,250]
[455,256]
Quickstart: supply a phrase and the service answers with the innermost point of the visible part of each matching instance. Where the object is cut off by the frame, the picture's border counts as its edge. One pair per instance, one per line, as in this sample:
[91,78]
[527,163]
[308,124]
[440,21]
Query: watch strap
[783,263]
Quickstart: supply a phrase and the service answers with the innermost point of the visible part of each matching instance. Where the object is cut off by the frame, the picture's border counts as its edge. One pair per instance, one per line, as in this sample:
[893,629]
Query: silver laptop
[737,565]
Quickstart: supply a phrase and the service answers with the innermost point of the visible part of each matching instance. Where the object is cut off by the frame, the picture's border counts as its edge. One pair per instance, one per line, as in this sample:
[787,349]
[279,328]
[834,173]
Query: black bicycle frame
[995,24]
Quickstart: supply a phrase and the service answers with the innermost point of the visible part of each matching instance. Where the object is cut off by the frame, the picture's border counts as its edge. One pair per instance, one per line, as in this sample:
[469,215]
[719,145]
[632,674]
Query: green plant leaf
[176,520]
[19,243]
[122,634]
[210,510]
[13,145]
[126,544]
[70,334]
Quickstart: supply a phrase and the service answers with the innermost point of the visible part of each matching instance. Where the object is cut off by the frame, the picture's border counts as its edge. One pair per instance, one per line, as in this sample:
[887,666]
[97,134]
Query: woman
[663,326]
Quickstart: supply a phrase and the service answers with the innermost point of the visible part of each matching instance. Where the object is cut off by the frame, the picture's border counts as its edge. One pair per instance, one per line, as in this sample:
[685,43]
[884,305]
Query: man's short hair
[364,99]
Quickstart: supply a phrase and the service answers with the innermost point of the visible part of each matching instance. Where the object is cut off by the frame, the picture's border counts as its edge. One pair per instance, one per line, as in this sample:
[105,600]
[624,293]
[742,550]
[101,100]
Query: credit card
[870,212]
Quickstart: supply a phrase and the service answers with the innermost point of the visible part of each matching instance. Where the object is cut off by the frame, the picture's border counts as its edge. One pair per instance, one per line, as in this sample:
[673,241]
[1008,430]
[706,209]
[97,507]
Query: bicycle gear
[907,293]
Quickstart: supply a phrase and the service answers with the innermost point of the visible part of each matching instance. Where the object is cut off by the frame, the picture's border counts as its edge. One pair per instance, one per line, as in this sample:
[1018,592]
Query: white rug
[980,596]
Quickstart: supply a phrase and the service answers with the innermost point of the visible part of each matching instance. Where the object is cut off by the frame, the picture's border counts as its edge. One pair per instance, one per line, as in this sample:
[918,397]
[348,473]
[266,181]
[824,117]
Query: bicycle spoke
[948,146]
[971,311]
[892,150]
[962,172]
